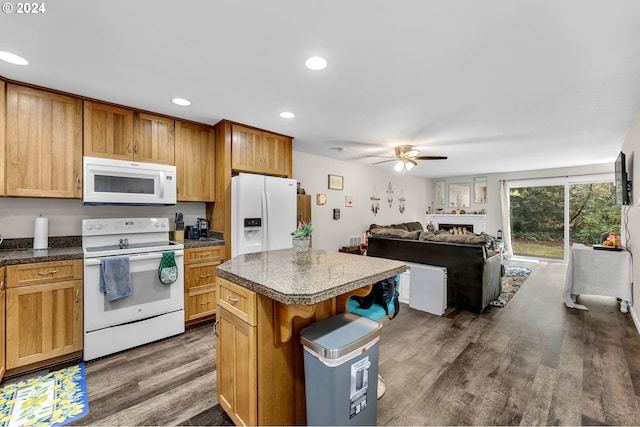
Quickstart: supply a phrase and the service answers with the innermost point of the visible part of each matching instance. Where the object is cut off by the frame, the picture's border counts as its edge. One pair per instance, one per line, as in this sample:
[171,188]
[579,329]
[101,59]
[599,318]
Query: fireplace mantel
[479,222]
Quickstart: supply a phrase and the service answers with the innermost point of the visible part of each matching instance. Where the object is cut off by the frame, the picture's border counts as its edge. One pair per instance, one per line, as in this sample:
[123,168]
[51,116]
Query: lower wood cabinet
[44,320]
[200,282]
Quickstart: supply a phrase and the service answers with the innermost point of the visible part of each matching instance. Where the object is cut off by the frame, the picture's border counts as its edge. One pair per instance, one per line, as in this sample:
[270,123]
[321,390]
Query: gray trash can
[341,370]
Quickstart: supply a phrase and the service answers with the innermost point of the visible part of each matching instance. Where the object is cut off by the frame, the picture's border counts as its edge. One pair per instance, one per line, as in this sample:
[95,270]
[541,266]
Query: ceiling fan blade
[383,161]
[430,158]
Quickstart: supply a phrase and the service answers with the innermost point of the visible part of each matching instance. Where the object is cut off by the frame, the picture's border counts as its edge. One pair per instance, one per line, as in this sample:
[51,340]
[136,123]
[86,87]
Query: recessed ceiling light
[181,101]
[287,115]
[12,58]
[316,63]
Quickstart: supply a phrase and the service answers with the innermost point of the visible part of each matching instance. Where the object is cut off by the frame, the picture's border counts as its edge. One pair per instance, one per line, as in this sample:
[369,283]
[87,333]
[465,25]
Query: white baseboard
[636,320]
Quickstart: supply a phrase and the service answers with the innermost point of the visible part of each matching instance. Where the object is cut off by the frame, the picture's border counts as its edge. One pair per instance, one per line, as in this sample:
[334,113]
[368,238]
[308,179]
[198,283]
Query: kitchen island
[264,301]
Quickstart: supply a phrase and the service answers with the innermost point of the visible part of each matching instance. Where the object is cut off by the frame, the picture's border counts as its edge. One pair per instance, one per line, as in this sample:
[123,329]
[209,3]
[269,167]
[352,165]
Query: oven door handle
[133,258]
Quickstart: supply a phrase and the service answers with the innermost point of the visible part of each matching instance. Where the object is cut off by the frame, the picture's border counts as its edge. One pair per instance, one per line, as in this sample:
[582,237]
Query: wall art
[438,198]
[375,206]
[459,195]
[336,182]
[401,201]
[389,194]
[321,199]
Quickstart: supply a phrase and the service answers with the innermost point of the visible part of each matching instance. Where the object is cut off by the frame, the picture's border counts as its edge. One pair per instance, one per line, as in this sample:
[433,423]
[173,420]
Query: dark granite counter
[26,256]
[202,242]
[329,274]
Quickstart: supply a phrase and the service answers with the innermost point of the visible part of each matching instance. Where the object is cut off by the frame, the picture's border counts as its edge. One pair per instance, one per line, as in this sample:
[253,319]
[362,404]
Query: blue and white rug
[513,278]
[56,398]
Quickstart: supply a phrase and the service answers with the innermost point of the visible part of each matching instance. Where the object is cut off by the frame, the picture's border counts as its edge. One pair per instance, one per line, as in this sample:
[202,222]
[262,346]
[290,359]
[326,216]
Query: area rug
[513,278]
[56,398]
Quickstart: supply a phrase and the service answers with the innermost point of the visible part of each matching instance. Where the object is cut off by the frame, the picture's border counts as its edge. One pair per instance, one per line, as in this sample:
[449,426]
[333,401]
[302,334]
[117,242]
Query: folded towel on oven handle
[115,277]
[168,270]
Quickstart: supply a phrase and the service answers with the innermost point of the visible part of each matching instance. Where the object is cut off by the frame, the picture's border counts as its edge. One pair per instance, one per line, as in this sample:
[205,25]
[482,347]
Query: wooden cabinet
[3,118]
[44,312]
[195,162]
[258,151]
[44,144]
[304,207]
[122,134]
[237,365]
[200,282]
[153,139]
[2,323]
[108,131]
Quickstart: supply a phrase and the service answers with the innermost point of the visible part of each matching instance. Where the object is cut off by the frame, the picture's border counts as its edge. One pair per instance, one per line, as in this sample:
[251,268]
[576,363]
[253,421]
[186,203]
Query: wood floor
[533,362]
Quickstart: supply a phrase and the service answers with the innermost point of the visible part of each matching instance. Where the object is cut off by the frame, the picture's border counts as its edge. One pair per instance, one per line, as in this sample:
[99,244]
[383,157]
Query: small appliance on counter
[203,227]
[192,232]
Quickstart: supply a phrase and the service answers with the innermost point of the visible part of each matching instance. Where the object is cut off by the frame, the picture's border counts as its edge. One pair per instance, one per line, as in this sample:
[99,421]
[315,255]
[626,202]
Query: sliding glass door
[537,221]
[549,215]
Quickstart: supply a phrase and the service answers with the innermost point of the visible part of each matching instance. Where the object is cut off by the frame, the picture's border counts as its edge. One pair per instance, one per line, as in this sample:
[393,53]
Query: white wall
[493,188]
[18,215]
[629,147]
[359,181]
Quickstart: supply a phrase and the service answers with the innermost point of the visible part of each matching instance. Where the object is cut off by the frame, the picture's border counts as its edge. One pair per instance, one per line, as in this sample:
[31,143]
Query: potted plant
[302,243]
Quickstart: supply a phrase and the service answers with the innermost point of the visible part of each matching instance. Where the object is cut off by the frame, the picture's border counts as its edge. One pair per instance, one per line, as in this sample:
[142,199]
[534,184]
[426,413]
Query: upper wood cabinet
[3,117]
[153,139]
[257,151]
[108,131]
[44,144]
[195,162]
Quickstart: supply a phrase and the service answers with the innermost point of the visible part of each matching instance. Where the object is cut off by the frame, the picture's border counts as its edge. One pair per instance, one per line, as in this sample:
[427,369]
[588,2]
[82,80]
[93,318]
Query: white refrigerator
[263,213]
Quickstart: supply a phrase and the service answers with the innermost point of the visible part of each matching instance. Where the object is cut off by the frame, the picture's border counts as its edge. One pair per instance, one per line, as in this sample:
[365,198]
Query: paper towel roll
[41,234]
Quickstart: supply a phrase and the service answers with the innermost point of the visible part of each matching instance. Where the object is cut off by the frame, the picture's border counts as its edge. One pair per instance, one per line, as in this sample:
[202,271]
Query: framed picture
[321,199]
[459,195]
[348,201]
[480,189]
[438,198]
[336,182]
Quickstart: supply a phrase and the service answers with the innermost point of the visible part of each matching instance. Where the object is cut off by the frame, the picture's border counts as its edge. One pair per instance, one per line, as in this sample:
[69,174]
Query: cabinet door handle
[77,295]
[205,303]
[135,148]
[177,188]
[44,273]
[232,299]
[205,254]
[78,186]
[129,147]
[215,327]
[204,276]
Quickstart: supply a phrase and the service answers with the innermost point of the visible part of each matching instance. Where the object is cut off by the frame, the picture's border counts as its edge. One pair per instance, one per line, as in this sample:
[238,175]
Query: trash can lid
[338,335]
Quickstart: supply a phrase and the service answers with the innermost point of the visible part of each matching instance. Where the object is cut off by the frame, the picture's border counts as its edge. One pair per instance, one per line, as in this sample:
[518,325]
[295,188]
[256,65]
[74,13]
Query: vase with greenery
[302,243]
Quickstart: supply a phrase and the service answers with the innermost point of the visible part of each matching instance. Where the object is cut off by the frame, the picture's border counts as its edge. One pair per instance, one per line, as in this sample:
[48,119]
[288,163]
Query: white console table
[479,222]
[598,272]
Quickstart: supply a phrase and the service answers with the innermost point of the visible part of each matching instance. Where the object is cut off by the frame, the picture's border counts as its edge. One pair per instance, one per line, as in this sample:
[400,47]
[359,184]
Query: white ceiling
[495,85]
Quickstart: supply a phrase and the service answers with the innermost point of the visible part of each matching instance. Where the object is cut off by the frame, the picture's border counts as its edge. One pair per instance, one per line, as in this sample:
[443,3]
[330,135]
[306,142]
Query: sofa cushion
[414,226]
[470,238]
[395,232]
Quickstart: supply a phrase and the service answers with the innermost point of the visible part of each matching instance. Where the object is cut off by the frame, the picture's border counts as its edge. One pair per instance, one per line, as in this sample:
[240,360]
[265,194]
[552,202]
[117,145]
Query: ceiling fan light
[411,153]
[398,167]
[409,164]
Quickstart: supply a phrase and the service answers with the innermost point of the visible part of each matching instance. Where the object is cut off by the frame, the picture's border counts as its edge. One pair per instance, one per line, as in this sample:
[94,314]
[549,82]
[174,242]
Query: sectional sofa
[473,270]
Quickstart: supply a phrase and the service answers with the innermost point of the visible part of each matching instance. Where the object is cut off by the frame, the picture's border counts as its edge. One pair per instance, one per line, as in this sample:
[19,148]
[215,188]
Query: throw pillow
[414,226]
[394,232]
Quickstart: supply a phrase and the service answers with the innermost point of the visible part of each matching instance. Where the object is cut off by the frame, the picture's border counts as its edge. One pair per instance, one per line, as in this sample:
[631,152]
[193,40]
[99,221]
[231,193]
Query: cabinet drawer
[43,272]
[199,304]
[200,274]
[204,254]
[238,300]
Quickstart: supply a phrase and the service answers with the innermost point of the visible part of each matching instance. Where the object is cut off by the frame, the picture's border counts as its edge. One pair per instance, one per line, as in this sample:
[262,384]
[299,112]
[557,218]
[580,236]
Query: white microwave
[119,182]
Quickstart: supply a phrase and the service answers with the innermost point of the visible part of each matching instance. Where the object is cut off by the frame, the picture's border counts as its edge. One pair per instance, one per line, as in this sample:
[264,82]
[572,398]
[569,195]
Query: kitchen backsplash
[18,215]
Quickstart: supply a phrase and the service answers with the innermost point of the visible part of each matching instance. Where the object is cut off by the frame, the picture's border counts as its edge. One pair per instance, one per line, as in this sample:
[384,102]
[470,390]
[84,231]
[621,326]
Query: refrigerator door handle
[265,221]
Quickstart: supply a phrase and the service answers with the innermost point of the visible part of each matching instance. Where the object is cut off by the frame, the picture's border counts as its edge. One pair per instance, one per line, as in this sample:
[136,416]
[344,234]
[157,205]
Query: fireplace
[449,227]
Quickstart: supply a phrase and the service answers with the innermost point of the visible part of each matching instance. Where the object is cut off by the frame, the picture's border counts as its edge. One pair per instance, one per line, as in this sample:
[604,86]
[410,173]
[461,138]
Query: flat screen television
[622,182]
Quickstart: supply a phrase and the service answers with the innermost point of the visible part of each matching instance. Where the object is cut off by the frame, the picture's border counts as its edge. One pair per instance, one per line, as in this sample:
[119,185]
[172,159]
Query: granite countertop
[329,274]
[202,242]
[12,256]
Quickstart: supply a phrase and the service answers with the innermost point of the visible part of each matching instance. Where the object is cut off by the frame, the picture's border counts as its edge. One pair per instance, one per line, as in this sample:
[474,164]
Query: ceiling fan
[406,156]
